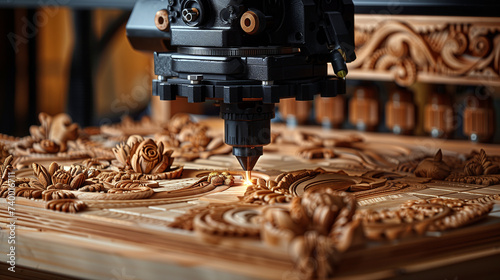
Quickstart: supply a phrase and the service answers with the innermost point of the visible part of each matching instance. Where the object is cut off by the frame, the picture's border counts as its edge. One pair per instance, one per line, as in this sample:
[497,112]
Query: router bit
[247,127]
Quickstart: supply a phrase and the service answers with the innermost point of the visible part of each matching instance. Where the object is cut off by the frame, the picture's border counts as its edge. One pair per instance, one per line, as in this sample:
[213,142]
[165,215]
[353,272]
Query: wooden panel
[193,227]
[436,49]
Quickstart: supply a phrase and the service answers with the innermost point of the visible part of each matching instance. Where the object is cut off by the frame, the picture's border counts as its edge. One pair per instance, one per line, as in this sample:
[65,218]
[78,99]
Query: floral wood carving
[115,176]
[56,178]
[292,184]
[53,185]
[463,50]
[143,156]
[187,139]
[493,158]
[480,165]
[5,168]
[53,133]
[191,140]
[4,151]
[316,227]
[419,216]
[480,169]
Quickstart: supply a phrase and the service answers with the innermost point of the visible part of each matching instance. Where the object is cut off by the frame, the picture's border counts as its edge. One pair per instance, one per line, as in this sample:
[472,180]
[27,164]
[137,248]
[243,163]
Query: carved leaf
[42,174]
[54,166]
[77,181]
[5,168]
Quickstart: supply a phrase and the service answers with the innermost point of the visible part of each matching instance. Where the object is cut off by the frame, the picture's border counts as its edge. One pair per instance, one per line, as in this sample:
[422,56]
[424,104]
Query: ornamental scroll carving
[406,49]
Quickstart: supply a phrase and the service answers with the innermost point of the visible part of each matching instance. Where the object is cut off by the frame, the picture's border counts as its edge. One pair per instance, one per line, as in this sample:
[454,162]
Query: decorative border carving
[407,49]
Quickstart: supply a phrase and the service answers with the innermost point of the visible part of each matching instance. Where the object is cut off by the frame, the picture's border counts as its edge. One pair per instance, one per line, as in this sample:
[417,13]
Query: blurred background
[78,61]
[57,59]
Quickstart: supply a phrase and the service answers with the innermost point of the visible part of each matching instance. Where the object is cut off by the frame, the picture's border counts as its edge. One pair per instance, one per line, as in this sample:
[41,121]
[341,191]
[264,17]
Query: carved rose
[144,156]
[150,158]
[123,151]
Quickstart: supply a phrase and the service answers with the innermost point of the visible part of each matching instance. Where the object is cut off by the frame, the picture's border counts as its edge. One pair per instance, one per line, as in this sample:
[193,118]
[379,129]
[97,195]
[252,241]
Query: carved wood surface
[439,49]
[320,204]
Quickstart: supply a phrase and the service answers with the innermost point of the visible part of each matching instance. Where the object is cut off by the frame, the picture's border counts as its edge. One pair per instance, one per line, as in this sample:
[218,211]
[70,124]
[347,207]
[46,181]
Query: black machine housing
[208,52]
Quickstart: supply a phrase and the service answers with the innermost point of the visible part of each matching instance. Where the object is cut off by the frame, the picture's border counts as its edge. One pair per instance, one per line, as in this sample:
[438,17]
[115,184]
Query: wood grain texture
[209,222]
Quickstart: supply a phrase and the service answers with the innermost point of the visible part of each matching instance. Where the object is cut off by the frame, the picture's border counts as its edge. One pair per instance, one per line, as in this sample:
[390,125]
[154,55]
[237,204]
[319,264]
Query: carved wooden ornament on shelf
[442,49]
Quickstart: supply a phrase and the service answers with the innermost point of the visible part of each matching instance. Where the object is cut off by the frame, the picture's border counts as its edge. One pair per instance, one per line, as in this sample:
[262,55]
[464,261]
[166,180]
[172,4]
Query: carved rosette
[144,156]
[407,49]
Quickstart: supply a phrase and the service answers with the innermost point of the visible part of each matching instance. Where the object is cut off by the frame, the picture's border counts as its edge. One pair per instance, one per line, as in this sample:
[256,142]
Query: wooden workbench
[134,239]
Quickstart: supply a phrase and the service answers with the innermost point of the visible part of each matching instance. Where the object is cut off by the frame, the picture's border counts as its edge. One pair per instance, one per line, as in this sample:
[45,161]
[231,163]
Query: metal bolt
[267,83]
[161,78]
[195,79]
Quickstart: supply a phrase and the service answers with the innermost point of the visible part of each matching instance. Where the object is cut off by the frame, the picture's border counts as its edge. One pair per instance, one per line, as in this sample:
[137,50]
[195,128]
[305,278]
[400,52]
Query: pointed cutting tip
[247,156]
[248,163]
